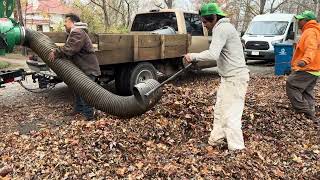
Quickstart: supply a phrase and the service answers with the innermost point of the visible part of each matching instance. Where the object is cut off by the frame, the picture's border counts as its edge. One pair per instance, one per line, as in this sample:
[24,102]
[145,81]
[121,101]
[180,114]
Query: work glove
[187,58]
[52,55]
[301,63]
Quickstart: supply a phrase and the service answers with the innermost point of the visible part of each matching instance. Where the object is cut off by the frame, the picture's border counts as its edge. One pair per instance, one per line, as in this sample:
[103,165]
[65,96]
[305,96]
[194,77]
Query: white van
[266,30]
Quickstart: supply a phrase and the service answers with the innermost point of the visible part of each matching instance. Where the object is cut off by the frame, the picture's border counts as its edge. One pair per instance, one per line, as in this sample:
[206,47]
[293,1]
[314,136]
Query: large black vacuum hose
[90,91]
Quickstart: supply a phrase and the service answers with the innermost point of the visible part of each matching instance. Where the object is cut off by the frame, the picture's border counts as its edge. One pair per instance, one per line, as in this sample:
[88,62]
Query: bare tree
[129,11]
[169,3]
[116,13]
[297,6]
[274,7]
[103,5]
[19,9]
[262,6]
[164,4]
[317,4]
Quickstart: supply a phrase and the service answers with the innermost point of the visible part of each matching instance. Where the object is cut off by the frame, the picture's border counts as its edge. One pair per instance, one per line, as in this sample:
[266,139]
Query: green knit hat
[211,8]
[307,15]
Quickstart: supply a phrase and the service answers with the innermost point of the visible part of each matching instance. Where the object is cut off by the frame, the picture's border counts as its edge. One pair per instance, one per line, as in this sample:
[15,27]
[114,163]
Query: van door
[199,41]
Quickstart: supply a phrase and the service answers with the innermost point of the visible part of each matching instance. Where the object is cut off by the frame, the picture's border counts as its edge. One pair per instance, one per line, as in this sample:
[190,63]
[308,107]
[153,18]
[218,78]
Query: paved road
[14,93]
[14,96]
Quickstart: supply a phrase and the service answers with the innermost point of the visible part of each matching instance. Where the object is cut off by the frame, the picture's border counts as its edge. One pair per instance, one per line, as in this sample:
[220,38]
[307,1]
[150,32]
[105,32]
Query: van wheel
[127,77]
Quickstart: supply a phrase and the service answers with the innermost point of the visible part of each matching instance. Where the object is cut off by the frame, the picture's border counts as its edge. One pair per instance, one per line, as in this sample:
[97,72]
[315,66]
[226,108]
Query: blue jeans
[81,106]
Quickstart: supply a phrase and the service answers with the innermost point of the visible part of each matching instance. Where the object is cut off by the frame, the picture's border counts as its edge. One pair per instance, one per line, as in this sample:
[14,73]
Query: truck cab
[266,30]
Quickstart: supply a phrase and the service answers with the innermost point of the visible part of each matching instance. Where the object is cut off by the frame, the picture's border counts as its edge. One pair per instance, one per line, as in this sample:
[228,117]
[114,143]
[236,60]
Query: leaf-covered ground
[168,142]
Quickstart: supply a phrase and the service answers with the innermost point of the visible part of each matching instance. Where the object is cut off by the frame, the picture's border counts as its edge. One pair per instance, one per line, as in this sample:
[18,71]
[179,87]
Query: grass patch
[4,64]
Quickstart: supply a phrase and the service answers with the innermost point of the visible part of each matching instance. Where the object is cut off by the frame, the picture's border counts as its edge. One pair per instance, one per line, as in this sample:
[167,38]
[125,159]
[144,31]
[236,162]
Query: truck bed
[125,48]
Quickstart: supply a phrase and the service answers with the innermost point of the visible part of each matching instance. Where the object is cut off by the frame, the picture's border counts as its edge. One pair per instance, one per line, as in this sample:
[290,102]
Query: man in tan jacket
[226,49]
[79,49]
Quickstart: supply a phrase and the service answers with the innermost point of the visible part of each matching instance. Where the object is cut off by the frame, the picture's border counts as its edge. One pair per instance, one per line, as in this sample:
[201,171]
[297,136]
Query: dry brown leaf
[121,171]
[296,159]
[278,172]
[139,165]
[188,116]
[170,168]
[5,170]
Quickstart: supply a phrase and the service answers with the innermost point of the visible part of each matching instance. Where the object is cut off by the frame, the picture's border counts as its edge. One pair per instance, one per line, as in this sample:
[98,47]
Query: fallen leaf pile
[167,142]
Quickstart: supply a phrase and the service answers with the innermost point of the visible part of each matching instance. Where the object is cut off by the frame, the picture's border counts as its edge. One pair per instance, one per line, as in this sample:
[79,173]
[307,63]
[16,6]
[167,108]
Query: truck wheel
[128,77]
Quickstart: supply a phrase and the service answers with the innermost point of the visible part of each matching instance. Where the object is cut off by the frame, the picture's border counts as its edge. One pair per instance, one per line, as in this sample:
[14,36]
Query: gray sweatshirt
[226,49]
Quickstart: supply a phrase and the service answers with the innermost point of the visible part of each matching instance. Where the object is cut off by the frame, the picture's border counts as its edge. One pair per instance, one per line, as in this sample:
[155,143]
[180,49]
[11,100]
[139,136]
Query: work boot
[316,121]
[218,142]
[307,114]
[91,117]
[310,116]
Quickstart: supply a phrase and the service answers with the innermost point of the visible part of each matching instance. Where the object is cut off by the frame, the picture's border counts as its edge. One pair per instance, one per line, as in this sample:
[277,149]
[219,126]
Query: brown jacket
[79,48]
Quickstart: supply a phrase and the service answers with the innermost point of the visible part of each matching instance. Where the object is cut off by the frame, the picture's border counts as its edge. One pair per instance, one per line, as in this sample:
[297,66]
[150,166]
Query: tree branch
[278,6]
[94,2]
[160,5]
[301,4]
[115,9]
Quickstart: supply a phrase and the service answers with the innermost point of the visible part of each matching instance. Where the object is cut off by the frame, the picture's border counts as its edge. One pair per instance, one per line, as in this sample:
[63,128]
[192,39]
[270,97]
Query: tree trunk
[246,16]
[262,5]
[317,4]
[19,12]
[169,3]
[129,15]
[106,21]
[105,14]
[23,49]
[238,17]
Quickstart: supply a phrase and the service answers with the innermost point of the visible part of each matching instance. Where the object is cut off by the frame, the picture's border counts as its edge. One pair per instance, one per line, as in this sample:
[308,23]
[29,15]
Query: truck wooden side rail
[128,48]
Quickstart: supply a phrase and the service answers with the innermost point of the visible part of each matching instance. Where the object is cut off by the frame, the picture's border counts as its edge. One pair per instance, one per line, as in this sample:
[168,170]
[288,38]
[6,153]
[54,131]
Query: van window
[267,28]
[154,21]
[291,27]
[193,24]
[290,34]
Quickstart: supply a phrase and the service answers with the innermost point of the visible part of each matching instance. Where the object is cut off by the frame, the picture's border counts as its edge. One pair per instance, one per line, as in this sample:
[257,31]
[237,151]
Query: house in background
[45,15]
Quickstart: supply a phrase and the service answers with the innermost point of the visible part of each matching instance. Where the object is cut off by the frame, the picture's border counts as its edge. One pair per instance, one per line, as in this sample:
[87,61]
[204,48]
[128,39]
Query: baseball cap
[307,15]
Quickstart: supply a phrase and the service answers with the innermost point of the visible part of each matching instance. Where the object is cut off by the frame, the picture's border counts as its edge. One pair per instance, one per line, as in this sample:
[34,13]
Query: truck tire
[129,76]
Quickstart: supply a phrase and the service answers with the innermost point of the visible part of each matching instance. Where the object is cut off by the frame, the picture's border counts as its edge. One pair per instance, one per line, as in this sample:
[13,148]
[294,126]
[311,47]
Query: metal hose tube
[90,91]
